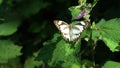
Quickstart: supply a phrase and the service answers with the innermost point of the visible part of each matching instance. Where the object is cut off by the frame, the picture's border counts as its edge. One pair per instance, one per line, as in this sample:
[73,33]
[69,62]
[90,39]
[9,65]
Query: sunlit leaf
[70,65]
[9,28]
[64,52]
[75,66]
[111,64]
[31,63]
[81,2]
[1,2]
[108,31]
[59,53]
[74,11]
[111,44]
[8,50]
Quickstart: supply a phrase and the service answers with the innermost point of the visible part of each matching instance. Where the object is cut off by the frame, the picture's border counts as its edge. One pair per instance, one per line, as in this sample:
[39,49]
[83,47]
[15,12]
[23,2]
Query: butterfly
[70,32]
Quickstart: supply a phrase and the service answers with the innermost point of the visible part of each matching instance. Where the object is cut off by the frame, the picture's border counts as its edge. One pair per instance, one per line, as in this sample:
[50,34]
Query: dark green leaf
[32,7]
[47,51]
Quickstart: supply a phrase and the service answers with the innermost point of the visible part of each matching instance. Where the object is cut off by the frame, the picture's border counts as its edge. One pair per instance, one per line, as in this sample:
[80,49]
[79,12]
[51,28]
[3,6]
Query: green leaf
[82,2]
[87,63]
[57,51]
[108,31]
[31,63]
[74,11]
[75,66]
[111,64]
[13,63]
[1,2]
[65,53]
[8,50]
[46,53]
[71,65]
[9,28]
[111,44]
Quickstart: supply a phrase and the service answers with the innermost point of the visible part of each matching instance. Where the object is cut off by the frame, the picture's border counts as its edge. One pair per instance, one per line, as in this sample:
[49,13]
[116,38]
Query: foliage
[108,34]
[8,28]
[8,50]
[29,39]
[111,64]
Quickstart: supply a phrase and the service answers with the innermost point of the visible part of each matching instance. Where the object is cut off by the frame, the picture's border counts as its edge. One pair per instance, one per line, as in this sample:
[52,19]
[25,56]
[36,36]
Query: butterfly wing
[74,34]
[76,30]
[63,28]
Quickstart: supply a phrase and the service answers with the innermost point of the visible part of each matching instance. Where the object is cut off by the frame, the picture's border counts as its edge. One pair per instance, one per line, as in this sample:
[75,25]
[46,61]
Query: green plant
[29,39]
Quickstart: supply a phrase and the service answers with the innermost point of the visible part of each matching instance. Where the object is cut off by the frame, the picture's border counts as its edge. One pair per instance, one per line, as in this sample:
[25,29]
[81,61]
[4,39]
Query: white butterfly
[70,32]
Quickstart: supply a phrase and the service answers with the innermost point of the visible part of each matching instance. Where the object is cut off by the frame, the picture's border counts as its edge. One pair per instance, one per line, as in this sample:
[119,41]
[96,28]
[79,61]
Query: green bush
[29,38]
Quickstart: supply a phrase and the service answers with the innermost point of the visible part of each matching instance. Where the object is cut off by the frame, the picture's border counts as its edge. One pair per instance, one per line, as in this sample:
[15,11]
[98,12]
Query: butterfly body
[70,32]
